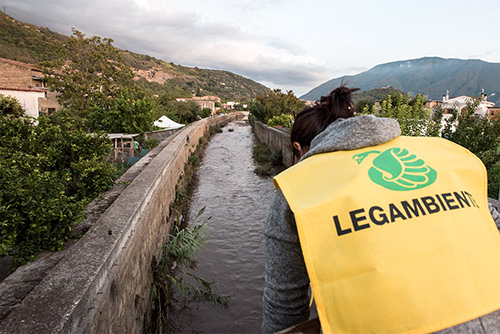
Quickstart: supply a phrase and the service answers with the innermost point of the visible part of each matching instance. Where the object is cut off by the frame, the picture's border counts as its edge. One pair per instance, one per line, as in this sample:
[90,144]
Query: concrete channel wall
[103,282]
[277,139]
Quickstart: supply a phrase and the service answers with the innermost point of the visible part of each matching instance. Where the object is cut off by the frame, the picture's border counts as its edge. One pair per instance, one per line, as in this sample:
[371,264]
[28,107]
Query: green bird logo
[398,169]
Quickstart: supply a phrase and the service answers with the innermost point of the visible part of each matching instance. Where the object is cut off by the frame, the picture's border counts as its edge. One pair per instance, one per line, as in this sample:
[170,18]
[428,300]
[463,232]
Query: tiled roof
[24,89]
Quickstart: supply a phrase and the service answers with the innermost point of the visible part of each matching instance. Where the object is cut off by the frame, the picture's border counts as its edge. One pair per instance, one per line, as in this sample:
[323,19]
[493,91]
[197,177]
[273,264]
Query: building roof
[121,135]
[199,98]
[24,89]
[18,63]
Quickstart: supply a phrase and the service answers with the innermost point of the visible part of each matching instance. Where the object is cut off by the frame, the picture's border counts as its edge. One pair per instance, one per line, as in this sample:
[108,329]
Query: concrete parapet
[277,139]
[103,282]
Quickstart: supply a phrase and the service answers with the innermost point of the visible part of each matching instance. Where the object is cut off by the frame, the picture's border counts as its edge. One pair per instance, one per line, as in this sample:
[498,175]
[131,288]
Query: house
[203,101]
[460,103]
[22,81]
[20,75]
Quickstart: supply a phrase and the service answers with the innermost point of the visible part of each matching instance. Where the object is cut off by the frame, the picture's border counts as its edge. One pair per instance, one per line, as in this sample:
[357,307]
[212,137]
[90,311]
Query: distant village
[26,83]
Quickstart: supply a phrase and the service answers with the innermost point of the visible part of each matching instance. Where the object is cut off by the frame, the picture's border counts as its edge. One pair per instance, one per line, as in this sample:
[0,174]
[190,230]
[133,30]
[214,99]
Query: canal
[236,199]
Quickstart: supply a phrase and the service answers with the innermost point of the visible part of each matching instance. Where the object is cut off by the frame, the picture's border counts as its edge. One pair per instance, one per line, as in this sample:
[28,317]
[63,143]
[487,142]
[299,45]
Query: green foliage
[90,74]
[372,95]
[275,104]
[215,129]
[284,120]
[205,112]
[480,136]
[127,115]
[150,143]
[94,83]
[183,112]
[27,43]
[261,153]
[48,172]
[265,158]
[170,273]
[9,106]
[414,119]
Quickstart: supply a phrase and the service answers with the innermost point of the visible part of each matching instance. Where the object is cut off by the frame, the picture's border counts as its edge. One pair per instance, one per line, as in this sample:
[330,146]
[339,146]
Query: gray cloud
[175,32]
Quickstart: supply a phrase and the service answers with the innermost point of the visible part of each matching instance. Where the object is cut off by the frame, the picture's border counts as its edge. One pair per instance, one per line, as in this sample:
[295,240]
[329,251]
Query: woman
[330,127]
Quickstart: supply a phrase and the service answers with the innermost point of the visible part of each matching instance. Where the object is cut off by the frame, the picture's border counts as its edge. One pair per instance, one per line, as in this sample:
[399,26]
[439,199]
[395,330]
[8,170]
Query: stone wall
[103,283]
[277,139]
[49,104]
[160,134]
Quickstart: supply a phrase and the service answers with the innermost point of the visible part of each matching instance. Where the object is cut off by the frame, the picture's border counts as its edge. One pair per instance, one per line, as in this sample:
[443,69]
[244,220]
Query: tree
[275,104]
[94,83]
[48,173]
[479,135]
[91,73]
[9,106]
[183,112]
[414,119]
[127,115]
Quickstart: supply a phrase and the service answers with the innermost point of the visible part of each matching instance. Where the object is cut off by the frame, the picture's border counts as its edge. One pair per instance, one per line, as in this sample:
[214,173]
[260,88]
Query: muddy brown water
[237,201]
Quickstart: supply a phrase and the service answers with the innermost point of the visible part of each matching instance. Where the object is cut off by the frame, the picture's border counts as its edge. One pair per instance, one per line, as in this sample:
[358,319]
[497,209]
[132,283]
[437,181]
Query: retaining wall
[277,139]
[103,283]
[159,134]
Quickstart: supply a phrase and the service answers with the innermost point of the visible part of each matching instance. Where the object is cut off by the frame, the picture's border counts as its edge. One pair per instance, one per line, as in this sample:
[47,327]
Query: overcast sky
[291,45]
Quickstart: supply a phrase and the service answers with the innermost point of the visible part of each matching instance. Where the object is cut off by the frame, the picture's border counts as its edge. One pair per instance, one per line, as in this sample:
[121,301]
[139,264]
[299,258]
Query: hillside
[374,94]
[30,44]
[431,76]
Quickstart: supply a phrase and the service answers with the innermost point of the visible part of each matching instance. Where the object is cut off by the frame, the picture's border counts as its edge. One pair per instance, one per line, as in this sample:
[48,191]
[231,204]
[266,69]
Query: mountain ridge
[28,43]
[431,76]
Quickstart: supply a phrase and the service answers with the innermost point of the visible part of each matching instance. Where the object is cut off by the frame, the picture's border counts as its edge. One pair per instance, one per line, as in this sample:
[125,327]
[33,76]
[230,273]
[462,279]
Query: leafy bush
[414,119]
[275,104]
[284,120]
[479,135]
[150,143]
[48,172]
[215,129]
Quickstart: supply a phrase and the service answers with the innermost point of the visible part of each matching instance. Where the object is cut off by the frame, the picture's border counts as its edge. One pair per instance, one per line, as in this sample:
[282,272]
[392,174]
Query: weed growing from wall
[265,159]
[171,273]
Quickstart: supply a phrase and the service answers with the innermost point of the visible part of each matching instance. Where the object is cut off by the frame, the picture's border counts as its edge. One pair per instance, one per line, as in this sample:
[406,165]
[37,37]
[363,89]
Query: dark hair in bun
[313,120]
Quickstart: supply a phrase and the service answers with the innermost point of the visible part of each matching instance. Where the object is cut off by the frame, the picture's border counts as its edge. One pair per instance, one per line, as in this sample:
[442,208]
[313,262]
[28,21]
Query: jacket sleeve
[286,294]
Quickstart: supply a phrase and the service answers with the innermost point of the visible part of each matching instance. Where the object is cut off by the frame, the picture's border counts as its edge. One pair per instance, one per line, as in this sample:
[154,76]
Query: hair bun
[338,103]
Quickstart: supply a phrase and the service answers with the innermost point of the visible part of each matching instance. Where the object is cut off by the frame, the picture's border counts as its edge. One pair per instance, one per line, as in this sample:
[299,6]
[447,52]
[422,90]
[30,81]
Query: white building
[28,98]
[460,103]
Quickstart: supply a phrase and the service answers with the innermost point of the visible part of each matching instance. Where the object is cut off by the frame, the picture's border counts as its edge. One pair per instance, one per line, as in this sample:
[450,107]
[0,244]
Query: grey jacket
[286,294]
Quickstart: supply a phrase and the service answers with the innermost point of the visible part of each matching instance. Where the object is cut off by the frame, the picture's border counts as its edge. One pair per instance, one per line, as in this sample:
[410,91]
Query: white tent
[166,123]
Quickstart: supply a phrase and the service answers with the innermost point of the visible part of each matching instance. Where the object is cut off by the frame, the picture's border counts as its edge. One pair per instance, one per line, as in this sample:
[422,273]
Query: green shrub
[215,129]
[150,143]
[283,120]
[263,170]
[48,173]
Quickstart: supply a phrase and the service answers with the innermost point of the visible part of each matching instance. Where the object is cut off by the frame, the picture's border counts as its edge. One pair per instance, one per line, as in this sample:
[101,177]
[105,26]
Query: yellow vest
[397,238]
